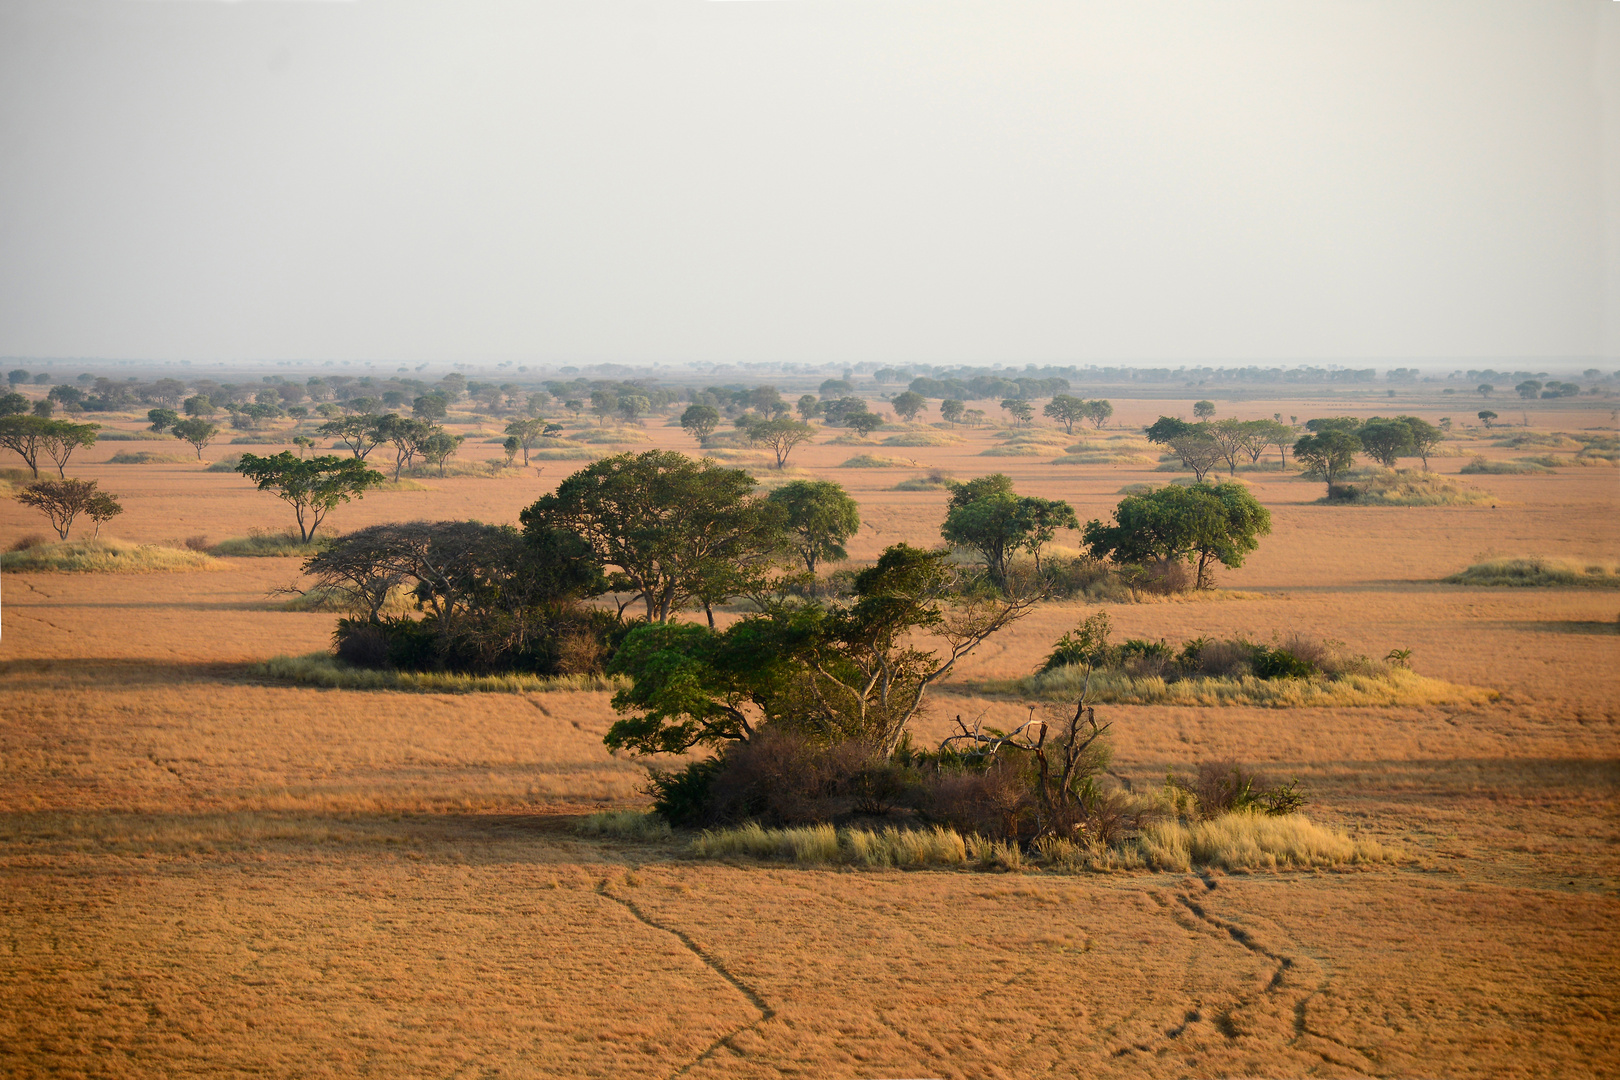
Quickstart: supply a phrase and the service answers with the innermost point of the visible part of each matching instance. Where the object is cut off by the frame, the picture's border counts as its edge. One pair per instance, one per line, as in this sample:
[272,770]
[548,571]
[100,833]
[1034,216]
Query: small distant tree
[407,436]
[430,408]
[196,431]
[439,447]
[1385,440]
[1425,436]
[161,420]
[1198,449]
[13,404]
[511,447]
[818,516]
[987,516]
[781,434]
[604,403]
[304,443]
[16,375]
[809,406]
[1486,389]
[1204,409]
[701,420]
[64,500]
[1165,428]
[44,408]
[908,405]
[863,422]
[62,438]
[1099,411]
[575,406]
[526,430]
[1018,409]
[1329,453]
[1203,525]
[313,487]
[633,407]
[951,410]
[361,433]
[1067,410]
[1528,389]
[1486,416]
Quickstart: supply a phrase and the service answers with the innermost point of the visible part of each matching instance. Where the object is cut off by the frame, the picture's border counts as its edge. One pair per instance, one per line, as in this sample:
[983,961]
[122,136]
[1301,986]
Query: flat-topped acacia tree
[312,486]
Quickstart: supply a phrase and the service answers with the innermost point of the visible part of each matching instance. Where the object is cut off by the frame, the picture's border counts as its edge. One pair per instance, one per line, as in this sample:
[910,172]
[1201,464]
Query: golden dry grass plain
[203,872]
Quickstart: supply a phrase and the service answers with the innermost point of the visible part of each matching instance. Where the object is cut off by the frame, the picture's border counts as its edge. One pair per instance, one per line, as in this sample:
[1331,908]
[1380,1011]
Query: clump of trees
[30,437]
[1202,526]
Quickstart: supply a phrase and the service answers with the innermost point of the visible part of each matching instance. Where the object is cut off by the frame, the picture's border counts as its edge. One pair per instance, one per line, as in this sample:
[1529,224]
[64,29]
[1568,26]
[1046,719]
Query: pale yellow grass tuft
[1242,841]
[1396,686]
[323,669]
[626,825]
[923,438]
[105,556]
[1412,487]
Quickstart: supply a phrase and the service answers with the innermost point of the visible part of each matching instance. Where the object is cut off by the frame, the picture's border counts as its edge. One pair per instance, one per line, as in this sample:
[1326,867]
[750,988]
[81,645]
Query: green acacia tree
[818,516]
[313,487]
[1019,409]
[1067,410]
[781,434]
[1098,411]
[1385,441]
[1425,436]
[670,529]
[1203,409]
[1328,453]
[526,430]
[951,411]
[62,501]
[700,421]
[1202,525]
[196,431]
[62,437]
[987,516]
[908,404]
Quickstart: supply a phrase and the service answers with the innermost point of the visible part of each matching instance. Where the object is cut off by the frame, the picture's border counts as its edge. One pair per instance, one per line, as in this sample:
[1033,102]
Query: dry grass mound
[1406,487]
[878,461]
[227,463]
[1536,572]
[824,845]
[105,556]
[1394,686]
[131,436]
[1018,450]
[1247,842]
[148,457]
[1103,457]
[935,480]
[563,453]
[1481,466]
[740,457]
[926,437]
[323,669]
[609,435]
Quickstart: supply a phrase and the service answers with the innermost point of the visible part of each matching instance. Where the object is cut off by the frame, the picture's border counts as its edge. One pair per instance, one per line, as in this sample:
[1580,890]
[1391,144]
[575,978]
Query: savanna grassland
[206,871]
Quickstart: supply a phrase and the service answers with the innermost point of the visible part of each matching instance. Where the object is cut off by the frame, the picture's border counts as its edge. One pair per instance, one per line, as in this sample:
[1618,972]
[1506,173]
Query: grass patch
[1019,450]
[1234,842]
[483,470]
[131,436]
[227,463]
[105,556]
[323,669]
[1552,440]
[1481,466]
[564,453]
[147,457]
[626,825]
[740,457]
[878,461]
[606,436]
[261,439]
[1537,572]
[1406,487]
[937,480]
[1396,686]
[922,438]
[263,543]
[1102,457]
[1584,459]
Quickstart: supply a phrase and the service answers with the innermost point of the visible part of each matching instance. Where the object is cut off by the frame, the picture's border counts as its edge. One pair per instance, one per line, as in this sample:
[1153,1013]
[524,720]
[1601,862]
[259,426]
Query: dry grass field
[205,872]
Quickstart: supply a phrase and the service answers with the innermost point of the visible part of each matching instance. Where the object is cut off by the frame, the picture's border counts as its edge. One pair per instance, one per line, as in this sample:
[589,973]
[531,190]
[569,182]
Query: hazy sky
[810,180]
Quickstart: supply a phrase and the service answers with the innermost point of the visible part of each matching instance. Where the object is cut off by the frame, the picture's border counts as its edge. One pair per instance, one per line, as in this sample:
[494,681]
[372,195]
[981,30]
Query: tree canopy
[1329,453]
[987,516]
[313,487]
[818,516]
[1201,524]
[62,501]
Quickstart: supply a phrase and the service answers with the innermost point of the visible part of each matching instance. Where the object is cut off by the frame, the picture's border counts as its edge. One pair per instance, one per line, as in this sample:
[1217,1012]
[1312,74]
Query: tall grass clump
[105,556]
[323,669]
[933,480]
[626,825]
[923,437]
[1249,841]
[266,543]
[1482,466]
[878,461]
[1536,572]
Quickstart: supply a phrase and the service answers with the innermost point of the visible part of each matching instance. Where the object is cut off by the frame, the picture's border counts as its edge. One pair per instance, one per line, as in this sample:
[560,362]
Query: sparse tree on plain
[1425,436]
[526,430]
[64,500]
[439,447]
[1486,390]
[1098,411]
[1528,389]
[907,405]
[781,434]
[701,420]
[1019,409]
[1204,409]
[863,422]
[818,517]
[809,406]
[1329,453]
[951,410]
[62,438]
[196,431]
[1486,416]
[161,420]
[1067,410]
[987,516]
[361,433]
[313,487]
[1385,441]
[1203,525]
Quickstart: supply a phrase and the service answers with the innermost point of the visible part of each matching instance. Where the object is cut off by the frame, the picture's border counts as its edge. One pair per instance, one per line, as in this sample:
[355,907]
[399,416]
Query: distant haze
[579,181]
